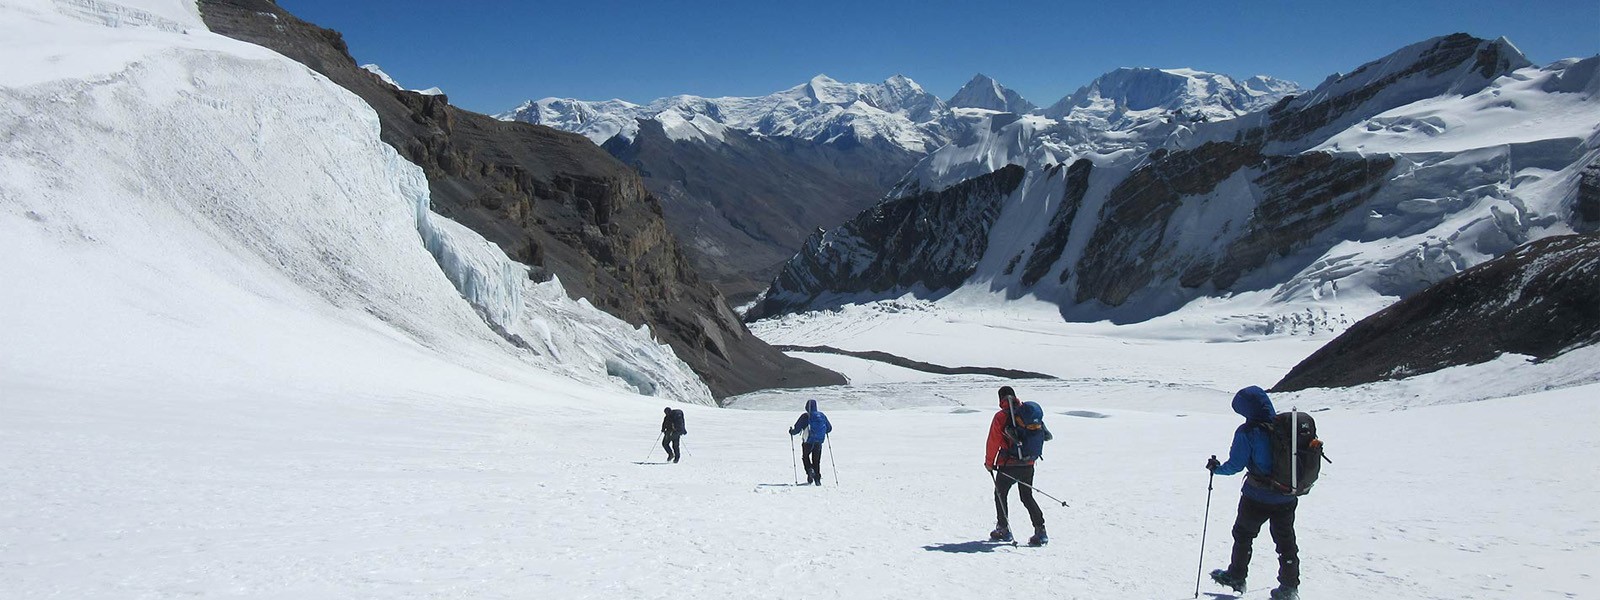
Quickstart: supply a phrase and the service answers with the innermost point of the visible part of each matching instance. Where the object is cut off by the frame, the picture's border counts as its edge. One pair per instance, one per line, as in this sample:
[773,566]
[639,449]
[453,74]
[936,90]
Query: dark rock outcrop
[927,242]
[1539,300]
[1586,207]
[550,199]
[1048,250]
[743,204]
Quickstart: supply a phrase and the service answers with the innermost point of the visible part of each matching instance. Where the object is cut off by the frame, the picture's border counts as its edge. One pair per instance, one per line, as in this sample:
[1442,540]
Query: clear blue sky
[490,56]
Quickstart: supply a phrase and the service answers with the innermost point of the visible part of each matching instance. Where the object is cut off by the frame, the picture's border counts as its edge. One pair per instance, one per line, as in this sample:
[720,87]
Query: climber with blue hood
[1258,504]
[815,427]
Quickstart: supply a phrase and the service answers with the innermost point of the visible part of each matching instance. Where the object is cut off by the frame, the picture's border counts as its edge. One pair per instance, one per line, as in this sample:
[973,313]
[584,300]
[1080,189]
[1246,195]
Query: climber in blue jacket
[1258,503]
[816,428]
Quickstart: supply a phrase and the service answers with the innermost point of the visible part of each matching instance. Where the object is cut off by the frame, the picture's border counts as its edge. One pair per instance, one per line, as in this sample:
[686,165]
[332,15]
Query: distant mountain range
[1179,185]
[744,180]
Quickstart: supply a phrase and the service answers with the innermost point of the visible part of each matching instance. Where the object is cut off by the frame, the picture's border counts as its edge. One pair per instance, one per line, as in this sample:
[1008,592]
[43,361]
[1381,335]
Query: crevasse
[489,280]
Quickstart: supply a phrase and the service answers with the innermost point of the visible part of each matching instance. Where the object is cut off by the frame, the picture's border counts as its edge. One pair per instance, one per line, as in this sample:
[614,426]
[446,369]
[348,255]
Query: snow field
[474,488]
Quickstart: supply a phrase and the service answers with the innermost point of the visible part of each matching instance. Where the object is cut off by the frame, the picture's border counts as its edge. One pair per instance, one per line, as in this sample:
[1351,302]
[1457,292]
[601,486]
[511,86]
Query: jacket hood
[811,406]
[1006,393]
[1252,404]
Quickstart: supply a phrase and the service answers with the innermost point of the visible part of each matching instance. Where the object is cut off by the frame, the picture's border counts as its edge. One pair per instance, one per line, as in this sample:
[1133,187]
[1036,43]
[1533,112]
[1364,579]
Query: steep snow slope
[897,111]
[195,207]
[550,199]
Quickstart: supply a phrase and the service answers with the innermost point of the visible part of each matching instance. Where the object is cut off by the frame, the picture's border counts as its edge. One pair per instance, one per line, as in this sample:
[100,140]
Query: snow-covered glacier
[178,205]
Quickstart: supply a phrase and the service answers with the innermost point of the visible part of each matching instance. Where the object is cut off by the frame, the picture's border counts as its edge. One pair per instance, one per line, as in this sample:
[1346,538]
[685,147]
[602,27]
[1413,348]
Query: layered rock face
[1297,198]
[931,241]
[550,199]
[1540,300]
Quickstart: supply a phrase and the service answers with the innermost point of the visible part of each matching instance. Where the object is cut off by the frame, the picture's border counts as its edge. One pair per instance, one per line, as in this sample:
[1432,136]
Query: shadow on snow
[967,547]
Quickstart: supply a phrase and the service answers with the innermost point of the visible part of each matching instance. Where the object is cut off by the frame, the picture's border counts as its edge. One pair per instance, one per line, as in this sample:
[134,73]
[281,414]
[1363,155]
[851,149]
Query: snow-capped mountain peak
[1445,64]
[897,111]
[1457,65]
[1117,118]
[825,89]
[1212,96]
[984,92]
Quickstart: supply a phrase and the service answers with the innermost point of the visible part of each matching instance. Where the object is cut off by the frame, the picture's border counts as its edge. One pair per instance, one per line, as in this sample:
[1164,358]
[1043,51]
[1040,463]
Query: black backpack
[1296,453]
[677,421]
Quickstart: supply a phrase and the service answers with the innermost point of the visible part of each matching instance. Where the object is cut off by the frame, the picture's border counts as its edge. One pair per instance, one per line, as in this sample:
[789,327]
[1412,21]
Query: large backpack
[817,427]
[1030,434]
[1296,453]
[677,421]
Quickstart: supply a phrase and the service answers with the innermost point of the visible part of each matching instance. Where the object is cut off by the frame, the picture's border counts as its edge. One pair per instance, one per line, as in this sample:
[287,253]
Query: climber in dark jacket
[671,429]
[816,428]
[1258,504]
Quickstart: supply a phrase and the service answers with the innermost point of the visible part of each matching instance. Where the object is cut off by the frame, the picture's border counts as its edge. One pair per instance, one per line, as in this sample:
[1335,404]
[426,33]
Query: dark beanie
[1005,390]
[667,410]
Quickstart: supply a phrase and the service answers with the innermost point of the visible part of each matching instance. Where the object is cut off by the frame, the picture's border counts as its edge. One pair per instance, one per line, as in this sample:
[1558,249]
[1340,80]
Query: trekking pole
[653,446]
[829,440]
[1203,527]
[1030,486]
[792,465]
[1003,502]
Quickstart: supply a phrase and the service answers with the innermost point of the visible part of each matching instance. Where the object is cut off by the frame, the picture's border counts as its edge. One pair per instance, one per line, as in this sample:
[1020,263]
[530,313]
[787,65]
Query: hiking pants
[811,455]
[1002,489]
[1252,514]
[669,441]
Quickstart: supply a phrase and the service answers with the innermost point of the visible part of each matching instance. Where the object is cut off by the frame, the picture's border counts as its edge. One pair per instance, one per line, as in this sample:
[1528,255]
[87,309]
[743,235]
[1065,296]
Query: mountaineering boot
[1039,538]
[1000,534]
[1285,593]
[1223,577]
